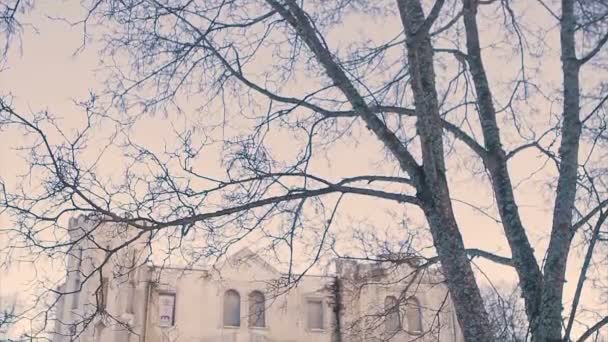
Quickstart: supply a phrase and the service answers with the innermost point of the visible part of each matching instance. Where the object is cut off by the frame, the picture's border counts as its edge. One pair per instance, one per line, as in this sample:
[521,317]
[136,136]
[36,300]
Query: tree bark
[434,192]
[562,231]
[583,275]
[525,263]
[430,179]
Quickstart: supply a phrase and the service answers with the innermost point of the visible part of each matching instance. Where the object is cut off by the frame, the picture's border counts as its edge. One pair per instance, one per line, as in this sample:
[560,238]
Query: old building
[245,299]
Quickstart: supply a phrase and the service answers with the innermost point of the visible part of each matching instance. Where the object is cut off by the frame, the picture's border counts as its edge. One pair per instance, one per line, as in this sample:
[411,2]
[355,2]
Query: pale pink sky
[46,75]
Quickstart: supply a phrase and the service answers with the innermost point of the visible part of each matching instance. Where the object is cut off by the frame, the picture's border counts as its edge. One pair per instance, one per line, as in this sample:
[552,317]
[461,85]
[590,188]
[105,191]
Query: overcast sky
[48,73]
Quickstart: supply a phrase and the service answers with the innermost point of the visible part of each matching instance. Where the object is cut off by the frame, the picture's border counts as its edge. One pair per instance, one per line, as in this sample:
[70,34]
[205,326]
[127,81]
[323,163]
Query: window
[79,257]
[392,323]
[76,294]
[166,309]
[103,294]
[257,309]
[99,327]
[414,316]
[315,314]
[232,309]
[77,282]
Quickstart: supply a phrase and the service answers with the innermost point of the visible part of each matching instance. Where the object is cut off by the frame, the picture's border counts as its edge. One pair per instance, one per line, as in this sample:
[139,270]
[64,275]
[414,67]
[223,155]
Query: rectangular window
[79,256]
[166,309]
[77,282]
[103,298]
[76,294]
[315,314]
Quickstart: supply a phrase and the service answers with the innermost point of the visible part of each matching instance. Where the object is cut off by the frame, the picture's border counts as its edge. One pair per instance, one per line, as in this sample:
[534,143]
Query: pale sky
[46,74]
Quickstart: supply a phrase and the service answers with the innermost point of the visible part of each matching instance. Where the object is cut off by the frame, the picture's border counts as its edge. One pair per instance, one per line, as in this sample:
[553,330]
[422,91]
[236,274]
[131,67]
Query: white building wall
[134,299]
[199,305]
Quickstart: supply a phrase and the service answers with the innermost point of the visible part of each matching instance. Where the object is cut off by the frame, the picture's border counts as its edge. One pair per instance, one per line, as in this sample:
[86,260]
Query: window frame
[397,310]
[76,294]
[413,304]
[173,309]
[224,297]
[320,300]
[104,290]
[254,305]
[77,281]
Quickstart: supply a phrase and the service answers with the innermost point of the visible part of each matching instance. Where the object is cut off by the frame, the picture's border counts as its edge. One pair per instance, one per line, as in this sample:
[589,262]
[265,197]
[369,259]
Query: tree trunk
[430,179]
[562,232]
[470,309]
[434,191]
[522,253]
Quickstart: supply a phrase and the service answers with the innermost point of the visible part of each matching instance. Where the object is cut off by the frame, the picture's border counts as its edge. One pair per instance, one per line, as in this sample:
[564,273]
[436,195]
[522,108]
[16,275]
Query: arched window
[99,327]
[232,309]
[414,316]
[392,322]
[257,309]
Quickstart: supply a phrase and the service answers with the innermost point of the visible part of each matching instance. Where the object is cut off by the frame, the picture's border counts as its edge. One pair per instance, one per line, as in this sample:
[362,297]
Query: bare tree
[10,25]
[507,314]
[274,70]
[7,315]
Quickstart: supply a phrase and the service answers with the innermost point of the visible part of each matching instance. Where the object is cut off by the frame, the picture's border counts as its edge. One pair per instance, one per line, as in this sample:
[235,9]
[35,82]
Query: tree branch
[597,326]
[595,50]
[583,275]
[522,253]
[474,253]
[292,195]
[300,22]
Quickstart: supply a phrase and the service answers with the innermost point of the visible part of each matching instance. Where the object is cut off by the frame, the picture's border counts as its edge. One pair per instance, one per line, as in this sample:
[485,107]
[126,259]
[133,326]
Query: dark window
[232,309]
[392,320]
[257,309]
[77,282]
[103,294]
[76,294]
[315,314]
[414,316]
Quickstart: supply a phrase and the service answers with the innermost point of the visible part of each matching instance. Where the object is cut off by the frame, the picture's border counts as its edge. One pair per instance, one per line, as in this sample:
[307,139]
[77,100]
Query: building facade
[245,299]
